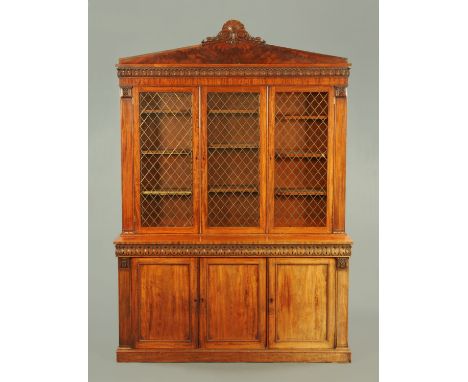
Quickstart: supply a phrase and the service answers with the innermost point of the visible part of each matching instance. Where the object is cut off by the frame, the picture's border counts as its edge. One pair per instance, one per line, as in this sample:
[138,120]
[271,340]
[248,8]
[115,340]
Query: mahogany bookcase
[233,244]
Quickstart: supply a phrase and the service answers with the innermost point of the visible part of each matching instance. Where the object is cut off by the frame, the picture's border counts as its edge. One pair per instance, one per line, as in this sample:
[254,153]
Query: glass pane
[301,138]
[166,159]
[233,159]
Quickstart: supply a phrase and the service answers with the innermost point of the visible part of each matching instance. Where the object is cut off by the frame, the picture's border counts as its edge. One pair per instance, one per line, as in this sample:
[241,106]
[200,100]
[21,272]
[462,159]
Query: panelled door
[166,148]
[300,136]
[233,165]
[233,303]
[164,302]
[301,300]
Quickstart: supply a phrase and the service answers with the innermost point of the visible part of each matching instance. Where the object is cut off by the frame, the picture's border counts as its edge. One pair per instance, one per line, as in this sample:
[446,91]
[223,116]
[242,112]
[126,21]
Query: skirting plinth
[145,355]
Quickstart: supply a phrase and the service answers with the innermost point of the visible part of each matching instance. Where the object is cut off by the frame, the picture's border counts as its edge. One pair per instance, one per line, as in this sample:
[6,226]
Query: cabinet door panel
[302,303]
[234,159]
[233,303]
[165,300]
[166,160]
[300,159]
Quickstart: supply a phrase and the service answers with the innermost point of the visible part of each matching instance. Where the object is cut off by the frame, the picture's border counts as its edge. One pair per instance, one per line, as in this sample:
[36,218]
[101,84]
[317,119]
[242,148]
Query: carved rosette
[233,32]
[231,250]
[340,91]
[126,92]
[231,72]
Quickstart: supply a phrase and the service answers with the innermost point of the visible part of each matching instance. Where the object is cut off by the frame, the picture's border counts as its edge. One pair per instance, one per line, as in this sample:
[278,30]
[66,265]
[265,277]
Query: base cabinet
[275,309]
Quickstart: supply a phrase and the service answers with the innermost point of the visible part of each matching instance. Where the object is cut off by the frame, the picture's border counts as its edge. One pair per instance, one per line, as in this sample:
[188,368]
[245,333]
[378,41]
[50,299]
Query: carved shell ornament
[233,32]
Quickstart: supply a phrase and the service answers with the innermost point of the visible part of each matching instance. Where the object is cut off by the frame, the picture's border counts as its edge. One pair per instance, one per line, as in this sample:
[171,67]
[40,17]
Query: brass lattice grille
[166,159]
[301,134]
[233,159]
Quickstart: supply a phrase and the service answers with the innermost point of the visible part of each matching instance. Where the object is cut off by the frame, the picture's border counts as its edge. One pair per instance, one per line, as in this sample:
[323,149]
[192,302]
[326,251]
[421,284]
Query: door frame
[273,304]
[192,343]
[262,153]
[260,342]
[195,228]
[272,90]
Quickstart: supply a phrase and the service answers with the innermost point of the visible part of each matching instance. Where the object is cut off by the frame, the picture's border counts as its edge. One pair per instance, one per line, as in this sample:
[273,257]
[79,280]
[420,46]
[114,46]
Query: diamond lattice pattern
[301,134]
[233,159]
[166,159]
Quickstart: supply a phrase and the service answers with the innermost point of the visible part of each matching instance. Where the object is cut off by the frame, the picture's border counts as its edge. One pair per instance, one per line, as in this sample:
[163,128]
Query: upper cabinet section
[233,136]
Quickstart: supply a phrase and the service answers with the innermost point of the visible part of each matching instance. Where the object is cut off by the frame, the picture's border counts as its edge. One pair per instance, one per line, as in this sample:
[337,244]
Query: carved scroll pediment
[233,32]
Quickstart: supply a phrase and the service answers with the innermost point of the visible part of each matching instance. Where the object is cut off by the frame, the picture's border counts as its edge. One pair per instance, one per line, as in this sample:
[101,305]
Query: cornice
[230,250]
[266,71]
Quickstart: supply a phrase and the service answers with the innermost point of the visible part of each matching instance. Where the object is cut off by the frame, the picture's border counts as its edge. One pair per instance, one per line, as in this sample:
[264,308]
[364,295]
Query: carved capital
[233,250]
[340,91]
[124,262]
[233,32]
[342,262]
[126,92]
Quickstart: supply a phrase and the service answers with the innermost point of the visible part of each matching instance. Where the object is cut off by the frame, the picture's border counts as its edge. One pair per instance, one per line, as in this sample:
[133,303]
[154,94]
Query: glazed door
[233,299]
[166,148]
[301,303]
[300,159]
[164,303]
[234,159]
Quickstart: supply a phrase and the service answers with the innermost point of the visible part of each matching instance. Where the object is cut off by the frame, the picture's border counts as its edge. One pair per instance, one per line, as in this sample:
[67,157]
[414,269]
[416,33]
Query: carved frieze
[228,250]
[151,71]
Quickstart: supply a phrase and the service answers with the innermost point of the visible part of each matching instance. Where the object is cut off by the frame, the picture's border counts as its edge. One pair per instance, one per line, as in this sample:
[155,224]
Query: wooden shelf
[233,189]
[166,152]
[235,146]
[299,154]
[300,192]
[161,111]
[232,111]
[177,192]
[302,117]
